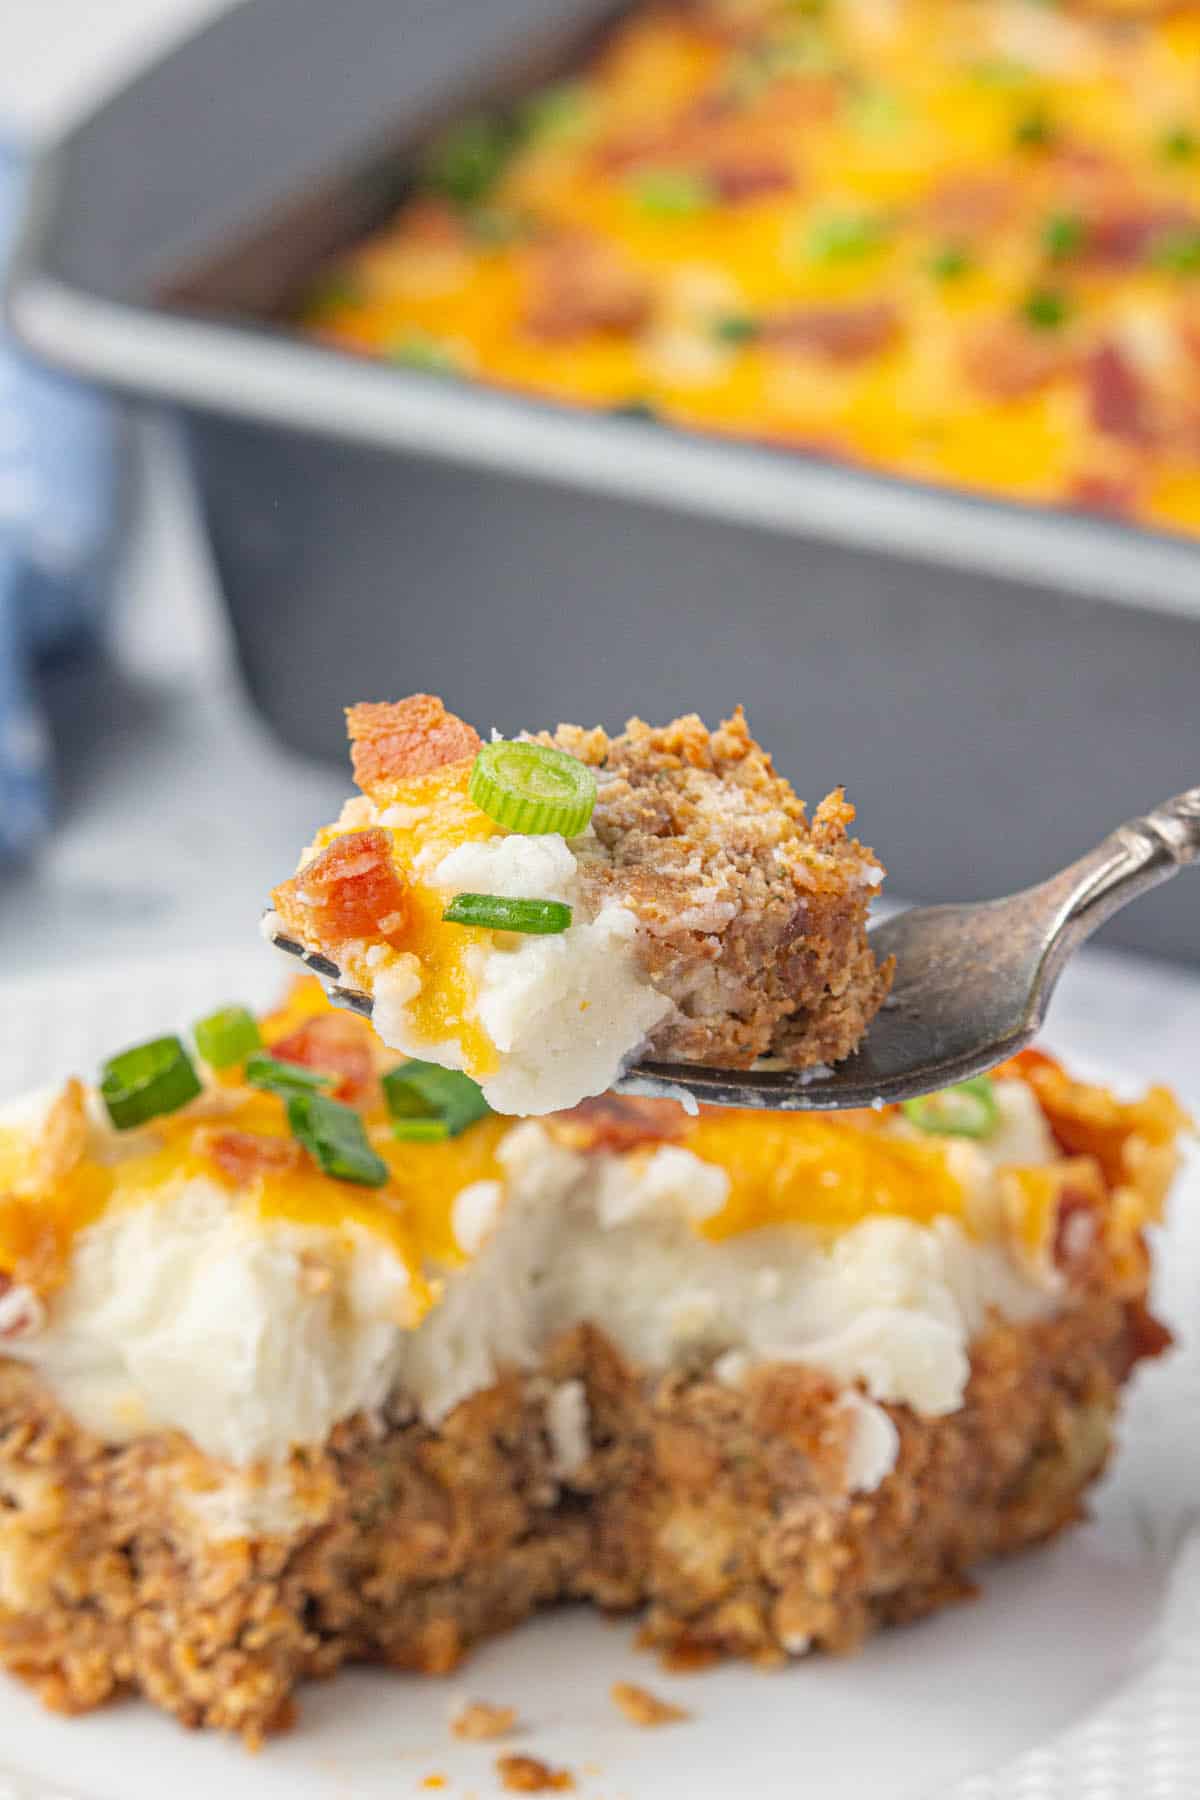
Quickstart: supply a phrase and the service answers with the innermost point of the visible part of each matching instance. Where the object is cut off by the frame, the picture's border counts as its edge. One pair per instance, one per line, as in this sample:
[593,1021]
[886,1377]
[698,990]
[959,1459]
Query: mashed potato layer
[562,1014]
[255,1329]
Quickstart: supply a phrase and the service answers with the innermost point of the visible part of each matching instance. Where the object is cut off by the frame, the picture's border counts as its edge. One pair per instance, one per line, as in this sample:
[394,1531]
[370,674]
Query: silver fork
[972,982]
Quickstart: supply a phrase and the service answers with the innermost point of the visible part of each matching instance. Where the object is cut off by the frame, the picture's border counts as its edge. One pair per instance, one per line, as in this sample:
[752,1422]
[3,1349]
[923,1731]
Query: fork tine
[328,970]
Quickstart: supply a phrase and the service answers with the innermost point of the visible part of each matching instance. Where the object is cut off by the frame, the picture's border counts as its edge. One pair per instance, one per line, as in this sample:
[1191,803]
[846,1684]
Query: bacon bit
[1025,1063]
[641,1707]
[62,1141]
[1112,496]
[1121,238]
[736,178]
[241,1156]
[971,205]
[350,890]
[1187,324]
[529,1775]
[1089,1121]
[334,1044]
[1150,1337]
[390,741]
[434,221]
[1085,161]
[842,333]
[800,443]
[649,144]
[479,1721]
[1118,402]
[1009,361]
[582,286]
[613,1123]
[800,99]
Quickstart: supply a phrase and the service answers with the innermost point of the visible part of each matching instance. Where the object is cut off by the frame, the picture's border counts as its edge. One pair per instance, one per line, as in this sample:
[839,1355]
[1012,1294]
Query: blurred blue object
[58,505]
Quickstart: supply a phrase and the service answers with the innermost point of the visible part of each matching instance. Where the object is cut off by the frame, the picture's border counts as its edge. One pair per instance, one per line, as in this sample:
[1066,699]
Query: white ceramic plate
[1076,1676]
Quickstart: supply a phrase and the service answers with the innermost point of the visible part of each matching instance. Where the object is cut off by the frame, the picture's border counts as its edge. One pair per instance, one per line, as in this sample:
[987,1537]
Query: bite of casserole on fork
[540,911]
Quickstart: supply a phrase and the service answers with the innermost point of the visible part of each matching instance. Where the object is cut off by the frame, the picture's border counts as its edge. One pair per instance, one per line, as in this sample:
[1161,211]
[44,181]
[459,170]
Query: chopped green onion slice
[556,114]
[147,1081]
[876,111]
[1063,234]
[736,328]
[539,918]
[948,263]
[968,1110]
[418,350]
[422,1093]
[531,788]
[1000,72]
[846,236]
[1034,130]
[1046,309]
[469,159]
[227,1037]
[332,291]
[1179,252]
[492,225]
[279,1077]
[1180,144]
[672,193]
[335,1138]
[421,1131]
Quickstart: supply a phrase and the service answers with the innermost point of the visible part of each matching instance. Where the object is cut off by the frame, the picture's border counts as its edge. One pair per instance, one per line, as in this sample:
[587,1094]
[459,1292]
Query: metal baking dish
[995,685]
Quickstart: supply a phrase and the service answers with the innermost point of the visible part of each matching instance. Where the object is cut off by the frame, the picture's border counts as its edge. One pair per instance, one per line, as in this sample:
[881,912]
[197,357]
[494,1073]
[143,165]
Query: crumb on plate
[530,1775]
[641,1707]
[479,1720]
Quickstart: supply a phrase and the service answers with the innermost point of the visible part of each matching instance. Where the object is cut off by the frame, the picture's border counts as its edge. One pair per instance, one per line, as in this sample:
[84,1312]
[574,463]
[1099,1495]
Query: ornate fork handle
[1134,858]
[1174,826]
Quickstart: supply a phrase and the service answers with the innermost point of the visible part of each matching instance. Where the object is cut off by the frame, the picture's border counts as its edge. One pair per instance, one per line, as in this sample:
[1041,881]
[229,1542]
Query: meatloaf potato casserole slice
[296,1371]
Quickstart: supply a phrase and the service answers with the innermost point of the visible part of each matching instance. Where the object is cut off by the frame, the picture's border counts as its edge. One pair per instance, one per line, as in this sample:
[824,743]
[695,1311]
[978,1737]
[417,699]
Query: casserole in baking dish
[955,242]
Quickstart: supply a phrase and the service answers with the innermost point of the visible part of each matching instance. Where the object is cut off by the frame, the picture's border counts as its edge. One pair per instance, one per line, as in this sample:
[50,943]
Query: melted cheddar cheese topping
[792,1168]
[958,242]
[826,1172]
[428,817]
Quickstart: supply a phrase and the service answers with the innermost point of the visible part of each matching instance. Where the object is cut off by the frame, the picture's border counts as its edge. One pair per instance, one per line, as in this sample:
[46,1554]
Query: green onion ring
[533,789]
[968,1110]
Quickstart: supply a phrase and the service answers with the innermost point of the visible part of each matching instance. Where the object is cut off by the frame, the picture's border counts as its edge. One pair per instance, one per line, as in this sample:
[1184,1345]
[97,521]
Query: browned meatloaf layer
[722,1511]
[763,952]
